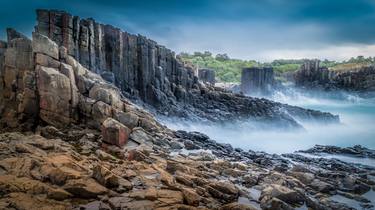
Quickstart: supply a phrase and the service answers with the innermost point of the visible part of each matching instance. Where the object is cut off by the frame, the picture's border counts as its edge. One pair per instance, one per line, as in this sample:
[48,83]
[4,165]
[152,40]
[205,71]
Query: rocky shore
[312,75]
[71,136]
[71,169]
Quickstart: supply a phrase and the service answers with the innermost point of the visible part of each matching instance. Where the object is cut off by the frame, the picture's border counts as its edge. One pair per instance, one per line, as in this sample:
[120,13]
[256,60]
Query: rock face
[41,84]
[142,69]
[358,80]
[312,75]
[19,104]
[138,66]
[257,81]
[207,75]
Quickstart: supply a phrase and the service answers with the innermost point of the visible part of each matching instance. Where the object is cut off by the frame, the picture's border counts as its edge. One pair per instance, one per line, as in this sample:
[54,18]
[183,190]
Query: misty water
[357,116]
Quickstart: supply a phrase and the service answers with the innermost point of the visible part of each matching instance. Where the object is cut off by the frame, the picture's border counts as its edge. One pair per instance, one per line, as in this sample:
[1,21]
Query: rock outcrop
[207,76]
[144,70]
[257,81]
[78,143]
[311,75]
[42,85]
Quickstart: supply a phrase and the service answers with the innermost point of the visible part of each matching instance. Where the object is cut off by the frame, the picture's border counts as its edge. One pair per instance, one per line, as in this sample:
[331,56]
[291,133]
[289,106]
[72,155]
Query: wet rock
[189,145]
[357,151]
[321,186]
[283,193]
[275,203]
[249,180]
[305,178]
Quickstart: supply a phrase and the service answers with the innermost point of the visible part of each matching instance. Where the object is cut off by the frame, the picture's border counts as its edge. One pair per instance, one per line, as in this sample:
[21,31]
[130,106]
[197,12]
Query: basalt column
[137,65]
[207,75]
[255,81]
[311,74]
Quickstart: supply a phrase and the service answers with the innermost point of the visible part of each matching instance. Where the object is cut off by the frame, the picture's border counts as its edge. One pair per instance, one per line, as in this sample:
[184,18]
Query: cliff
[313,76]
[257,81]
[144,70]
[207,75]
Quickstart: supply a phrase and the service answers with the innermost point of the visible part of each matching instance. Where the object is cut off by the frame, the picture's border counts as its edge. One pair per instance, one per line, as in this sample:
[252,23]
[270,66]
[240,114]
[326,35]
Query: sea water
[357,127]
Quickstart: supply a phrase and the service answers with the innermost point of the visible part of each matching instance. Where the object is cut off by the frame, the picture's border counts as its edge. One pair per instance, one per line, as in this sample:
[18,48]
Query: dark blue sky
[251,29]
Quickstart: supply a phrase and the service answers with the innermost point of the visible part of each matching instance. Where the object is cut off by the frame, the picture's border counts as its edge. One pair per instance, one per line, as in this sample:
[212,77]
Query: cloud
[256,29]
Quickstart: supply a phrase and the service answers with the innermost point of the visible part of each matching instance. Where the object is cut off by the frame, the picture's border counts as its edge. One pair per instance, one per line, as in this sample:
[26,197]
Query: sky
[260,30]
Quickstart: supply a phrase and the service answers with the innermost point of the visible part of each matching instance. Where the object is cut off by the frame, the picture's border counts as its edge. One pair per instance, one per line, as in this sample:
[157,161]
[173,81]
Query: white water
[357,126]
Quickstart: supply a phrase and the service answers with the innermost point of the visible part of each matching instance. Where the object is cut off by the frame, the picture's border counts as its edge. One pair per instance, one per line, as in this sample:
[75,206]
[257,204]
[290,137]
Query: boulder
[223,190]
[321,186]
[43,45]
[54,96]
[114,132]
[140,136]
[283,193]
[84,188]
[106,94]
[191,197]
[129,119]
[275,203]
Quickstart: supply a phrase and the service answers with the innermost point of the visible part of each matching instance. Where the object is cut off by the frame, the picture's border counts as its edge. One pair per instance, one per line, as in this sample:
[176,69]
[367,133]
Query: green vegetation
[229,70]
[226,69]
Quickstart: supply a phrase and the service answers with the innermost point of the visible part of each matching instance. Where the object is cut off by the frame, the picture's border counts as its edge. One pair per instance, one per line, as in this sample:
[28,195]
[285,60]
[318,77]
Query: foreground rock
[40,173]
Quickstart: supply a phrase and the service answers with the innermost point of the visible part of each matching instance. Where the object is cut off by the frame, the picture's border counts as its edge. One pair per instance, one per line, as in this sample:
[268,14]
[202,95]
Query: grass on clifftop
[229,69]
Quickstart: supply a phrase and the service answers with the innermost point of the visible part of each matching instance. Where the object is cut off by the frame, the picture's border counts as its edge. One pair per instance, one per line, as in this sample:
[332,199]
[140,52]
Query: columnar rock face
[255,80]
[137,65]
[207,75]
[312,75]
[358,80]
[144,70]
